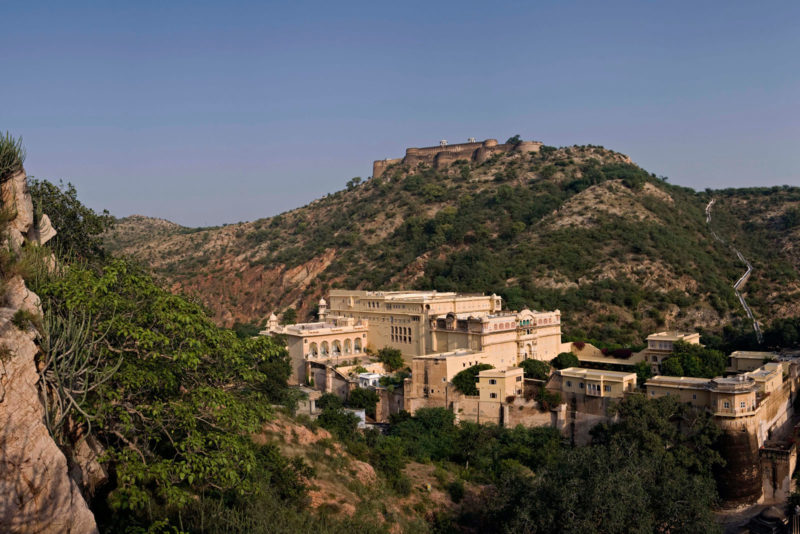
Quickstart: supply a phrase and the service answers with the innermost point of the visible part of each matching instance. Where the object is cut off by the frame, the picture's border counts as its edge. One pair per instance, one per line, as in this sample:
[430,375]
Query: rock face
[36,492]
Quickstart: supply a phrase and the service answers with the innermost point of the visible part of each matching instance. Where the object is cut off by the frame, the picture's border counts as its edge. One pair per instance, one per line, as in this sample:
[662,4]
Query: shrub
[536,369]
[456,490]
[564,360]
[391,358]
[466,380]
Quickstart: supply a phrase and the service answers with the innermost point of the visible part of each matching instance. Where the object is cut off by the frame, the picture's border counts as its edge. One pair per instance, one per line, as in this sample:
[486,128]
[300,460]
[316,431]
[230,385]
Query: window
[694,396]
[519,379]
[652,393]
[606,388]
[492,381]
[580,385]
[742,405]
[492,395]
[727,404]
[569,384]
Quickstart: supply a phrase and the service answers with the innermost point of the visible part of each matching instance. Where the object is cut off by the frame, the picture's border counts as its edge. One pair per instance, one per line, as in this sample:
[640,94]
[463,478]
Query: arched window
[337,348]
[348,346]
[313,350]
[324,349]
[357,345]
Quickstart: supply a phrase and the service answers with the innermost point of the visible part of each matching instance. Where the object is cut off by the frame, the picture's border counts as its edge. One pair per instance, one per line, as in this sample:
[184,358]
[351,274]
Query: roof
[752,355]
[680,382]
[500,372]
[671,335]
[596,374]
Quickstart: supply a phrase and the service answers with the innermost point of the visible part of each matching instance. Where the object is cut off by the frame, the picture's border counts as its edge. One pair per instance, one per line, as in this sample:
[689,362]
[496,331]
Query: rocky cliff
[37,492]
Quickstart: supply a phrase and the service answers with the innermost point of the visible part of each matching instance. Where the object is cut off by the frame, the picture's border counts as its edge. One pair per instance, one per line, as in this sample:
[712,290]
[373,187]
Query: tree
[692,359]
[365,399]
[514,140]
[643,372]
[536,369]
[78,227]
[353,183]
[564,360]
[391,358]
[466,380]
[289,316]
[329,401]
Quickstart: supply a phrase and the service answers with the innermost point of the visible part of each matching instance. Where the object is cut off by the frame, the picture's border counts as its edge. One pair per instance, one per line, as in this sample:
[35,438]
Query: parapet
[441,156]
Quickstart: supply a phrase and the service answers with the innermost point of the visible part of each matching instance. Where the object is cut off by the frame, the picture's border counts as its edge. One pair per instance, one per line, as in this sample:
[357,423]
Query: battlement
[443,155]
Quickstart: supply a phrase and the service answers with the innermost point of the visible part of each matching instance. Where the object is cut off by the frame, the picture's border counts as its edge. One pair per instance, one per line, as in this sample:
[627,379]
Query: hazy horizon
[208,114]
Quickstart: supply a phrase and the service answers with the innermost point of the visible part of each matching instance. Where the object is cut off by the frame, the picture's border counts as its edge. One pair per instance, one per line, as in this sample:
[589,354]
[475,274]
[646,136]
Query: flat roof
[443,355]
[679,382]
[752,354]
[596,374]
[495,372]
[672,335]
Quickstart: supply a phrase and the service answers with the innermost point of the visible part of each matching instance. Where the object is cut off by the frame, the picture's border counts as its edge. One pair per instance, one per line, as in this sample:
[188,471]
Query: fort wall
[441,156]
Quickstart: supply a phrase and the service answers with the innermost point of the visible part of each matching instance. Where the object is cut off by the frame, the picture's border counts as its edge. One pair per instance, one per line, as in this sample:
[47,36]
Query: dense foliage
[565,360]
[691,359]
[171,398]
[466,381]
[535,369]
[78,227]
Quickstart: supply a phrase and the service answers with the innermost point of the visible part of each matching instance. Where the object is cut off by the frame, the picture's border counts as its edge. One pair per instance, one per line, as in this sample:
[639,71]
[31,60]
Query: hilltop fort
[445,154]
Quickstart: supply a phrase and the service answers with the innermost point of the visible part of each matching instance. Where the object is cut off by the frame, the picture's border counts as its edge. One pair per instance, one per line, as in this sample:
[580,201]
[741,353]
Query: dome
[273,317]
[322,302]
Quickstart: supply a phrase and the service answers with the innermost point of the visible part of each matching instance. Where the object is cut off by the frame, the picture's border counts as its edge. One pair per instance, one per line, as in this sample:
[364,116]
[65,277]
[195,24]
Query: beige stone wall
[699,398]
[440,156]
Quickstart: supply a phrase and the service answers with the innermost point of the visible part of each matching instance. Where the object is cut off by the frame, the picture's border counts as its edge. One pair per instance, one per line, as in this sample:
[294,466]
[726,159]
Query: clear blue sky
[206,113]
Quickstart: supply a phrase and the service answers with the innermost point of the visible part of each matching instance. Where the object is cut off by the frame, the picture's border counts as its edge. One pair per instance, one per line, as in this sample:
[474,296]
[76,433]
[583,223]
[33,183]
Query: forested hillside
[620,251]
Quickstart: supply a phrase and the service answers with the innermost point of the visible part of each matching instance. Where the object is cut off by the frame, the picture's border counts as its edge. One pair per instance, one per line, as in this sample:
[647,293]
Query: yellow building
[724,397]
[497,385]
[768,377]
[430,384]
[745,360]
[429,322]
[334,341]
[596,382]
[660,346]
[687,389]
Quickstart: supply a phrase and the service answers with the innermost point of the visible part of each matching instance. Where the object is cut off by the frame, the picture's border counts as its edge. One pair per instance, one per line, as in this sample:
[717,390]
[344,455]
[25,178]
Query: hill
[620,251]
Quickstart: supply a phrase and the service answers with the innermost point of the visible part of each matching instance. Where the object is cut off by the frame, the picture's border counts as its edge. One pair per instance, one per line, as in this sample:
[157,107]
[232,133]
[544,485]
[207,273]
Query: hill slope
[618,250]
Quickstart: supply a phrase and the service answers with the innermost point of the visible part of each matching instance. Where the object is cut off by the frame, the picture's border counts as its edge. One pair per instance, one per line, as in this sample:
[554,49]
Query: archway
[348,346]
[357,345]
[313,351]
[336,348]
[324,348]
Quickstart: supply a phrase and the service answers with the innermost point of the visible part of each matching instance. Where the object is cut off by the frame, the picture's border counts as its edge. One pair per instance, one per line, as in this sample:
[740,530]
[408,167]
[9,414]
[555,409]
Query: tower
[323,309]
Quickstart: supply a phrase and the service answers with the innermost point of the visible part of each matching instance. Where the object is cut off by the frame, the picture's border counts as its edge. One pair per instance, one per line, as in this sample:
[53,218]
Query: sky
[208,113]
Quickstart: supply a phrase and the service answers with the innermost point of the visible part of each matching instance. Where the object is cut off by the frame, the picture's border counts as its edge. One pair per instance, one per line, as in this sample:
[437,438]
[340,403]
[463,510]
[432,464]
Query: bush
[391,358]
[456,490]
[564,360]
[365,399]
[466,380]
[536,369]
[329,401]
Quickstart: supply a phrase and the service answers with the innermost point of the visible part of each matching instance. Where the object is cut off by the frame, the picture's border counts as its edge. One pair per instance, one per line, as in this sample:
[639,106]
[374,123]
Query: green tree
[391,358]
[644,372]
[289,316]
[353,183]
[692,359]
[564,360]
[78,227]
[536,369]
[366,399]
[466,380]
